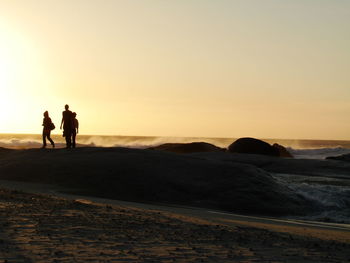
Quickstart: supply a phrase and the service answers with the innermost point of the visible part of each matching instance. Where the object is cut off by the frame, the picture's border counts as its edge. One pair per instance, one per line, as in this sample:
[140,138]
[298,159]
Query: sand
[46,228]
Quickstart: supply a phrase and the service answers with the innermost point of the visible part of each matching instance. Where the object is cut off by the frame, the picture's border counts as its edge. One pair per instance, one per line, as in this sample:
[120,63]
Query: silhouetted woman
[48,126]
[75,128]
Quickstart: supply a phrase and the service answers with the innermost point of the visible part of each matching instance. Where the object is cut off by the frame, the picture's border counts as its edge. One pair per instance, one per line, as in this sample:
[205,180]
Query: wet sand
[46,228]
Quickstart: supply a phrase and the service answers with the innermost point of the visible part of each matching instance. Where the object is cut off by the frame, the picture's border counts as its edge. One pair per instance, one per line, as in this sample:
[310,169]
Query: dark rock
[156,176]
[344,157]
[187,147]
[283,152]
[307,167]
[253,146]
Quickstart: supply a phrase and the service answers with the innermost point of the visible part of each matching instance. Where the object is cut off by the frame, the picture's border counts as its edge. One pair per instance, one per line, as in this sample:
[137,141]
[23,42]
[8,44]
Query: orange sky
[268,69]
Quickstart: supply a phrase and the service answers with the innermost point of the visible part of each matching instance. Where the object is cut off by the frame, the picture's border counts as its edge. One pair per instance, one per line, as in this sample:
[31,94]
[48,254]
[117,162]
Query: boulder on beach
[282,151]
[344,157]
[254,146]
[193,147]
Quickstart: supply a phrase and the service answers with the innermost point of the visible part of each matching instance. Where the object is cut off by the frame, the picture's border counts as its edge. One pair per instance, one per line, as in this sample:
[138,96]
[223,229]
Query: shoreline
[201,213]
[50,228]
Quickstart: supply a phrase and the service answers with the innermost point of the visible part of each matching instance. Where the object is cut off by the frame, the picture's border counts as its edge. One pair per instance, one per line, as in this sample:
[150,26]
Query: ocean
[301,149]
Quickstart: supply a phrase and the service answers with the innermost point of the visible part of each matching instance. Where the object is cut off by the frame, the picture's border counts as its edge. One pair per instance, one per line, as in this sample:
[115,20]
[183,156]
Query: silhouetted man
[67,122]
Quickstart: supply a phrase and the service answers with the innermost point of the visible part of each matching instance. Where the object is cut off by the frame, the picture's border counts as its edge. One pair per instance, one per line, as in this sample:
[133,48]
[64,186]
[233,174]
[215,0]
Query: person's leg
[66,135]
[73,139]
[44,139]
[50,140]
[69,139]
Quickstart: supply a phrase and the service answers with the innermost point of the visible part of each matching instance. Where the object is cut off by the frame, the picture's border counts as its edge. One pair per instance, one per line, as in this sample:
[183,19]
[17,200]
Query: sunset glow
[14,72]
[267,69]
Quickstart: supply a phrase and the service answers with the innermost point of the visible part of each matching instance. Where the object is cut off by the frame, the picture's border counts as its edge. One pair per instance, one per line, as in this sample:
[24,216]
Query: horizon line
[168,136]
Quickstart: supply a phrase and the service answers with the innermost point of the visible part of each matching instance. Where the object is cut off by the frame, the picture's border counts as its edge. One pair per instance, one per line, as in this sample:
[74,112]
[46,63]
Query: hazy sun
[8,72]
[18,69]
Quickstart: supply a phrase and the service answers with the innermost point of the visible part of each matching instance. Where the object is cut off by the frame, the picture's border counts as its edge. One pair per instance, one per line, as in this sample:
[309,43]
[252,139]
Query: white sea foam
[35,141]
[331,196]
[302,149]
[318,153]
[20,143]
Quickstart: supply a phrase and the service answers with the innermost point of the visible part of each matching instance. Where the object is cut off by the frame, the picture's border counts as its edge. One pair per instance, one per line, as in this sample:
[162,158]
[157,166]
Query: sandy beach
[42,228]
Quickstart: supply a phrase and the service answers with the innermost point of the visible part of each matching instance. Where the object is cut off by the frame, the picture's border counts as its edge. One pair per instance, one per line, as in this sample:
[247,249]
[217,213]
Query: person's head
[46,114]
[66,106]
[74,115]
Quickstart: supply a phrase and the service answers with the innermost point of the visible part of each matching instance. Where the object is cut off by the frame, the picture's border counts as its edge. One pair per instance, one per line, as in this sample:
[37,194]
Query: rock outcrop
[344,157]
[255,146]
[252,146]
[282,151]
[193,147]
[155,176]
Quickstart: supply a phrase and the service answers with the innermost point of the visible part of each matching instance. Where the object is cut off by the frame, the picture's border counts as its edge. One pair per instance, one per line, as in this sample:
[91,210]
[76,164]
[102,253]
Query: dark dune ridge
[155,176]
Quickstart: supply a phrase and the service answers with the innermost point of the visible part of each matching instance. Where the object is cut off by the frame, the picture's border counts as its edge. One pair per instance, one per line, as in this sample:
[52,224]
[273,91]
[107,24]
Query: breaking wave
[331,196]
[320,153]
[301,149]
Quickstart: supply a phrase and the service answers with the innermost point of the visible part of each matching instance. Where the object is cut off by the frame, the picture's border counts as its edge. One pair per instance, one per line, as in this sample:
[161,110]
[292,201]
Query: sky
[223,68]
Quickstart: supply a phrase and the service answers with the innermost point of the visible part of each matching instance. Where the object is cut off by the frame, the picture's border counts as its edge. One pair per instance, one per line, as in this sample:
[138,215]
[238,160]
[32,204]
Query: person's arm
[61,122]
[77,127]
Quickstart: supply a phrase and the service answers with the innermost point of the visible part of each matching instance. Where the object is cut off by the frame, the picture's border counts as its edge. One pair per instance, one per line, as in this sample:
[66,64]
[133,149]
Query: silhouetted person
[75,128]
[48,126]
[67,126]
